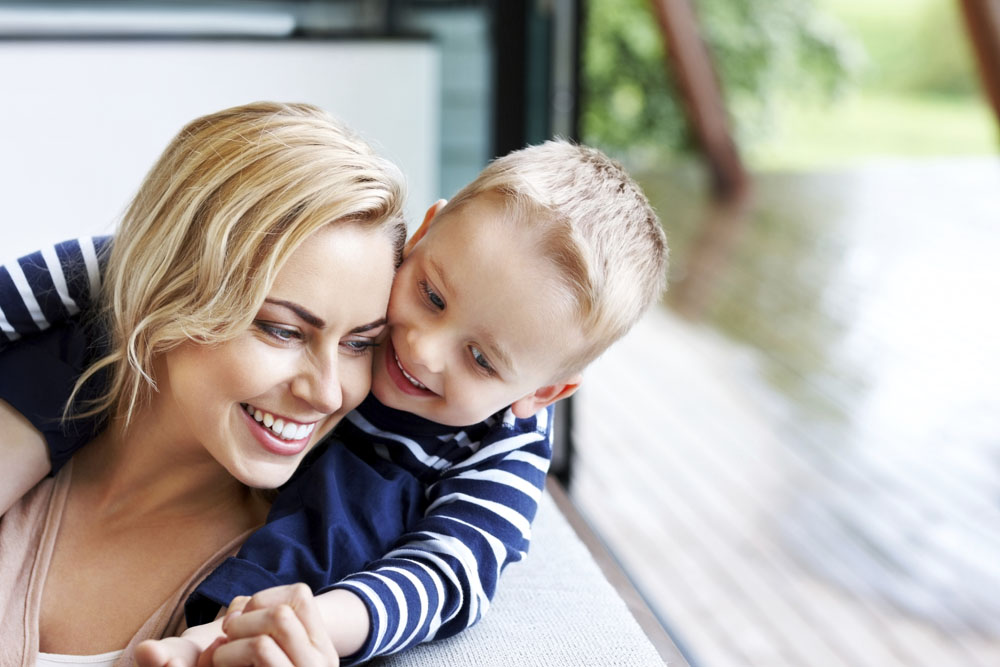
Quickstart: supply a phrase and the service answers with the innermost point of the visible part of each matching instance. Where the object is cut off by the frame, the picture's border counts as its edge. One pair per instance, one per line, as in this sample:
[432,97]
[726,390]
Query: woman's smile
[281,437]
[284,428]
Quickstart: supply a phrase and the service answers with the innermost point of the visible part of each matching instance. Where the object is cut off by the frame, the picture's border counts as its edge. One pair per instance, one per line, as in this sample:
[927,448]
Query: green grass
[907,100]
[866,127]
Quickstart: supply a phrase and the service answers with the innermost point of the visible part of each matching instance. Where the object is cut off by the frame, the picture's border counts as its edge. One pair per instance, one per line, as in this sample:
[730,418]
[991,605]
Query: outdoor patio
[798,461]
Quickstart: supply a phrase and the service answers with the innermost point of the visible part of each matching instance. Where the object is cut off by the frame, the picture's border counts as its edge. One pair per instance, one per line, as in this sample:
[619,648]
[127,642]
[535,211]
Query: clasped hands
[278,627]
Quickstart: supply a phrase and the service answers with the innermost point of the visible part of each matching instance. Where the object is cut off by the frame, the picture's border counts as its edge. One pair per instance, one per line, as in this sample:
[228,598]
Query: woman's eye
[481,360]
[282,334]
[360,346]
[431,296]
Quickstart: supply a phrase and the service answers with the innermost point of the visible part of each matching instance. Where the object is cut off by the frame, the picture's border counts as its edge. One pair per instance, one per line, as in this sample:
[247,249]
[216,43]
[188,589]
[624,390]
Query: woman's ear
[545,396]
[424,226]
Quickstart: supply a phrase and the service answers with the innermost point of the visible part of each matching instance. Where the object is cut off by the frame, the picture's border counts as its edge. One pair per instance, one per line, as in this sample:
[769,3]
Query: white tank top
[58,660]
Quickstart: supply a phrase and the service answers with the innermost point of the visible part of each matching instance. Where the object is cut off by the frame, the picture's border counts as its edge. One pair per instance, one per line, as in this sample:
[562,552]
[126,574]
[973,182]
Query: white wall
[82,121]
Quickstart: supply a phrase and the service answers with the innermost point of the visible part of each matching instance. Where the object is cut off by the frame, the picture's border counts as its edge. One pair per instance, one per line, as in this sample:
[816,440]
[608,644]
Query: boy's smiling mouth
[403,379]
[414,381]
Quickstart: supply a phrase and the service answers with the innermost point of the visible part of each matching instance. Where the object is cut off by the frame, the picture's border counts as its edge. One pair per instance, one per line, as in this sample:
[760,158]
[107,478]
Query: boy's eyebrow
[442,276]
[497,351]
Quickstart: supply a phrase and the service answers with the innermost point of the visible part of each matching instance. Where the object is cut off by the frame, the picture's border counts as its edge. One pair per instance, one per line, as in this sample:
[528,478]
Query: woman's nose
[319,385]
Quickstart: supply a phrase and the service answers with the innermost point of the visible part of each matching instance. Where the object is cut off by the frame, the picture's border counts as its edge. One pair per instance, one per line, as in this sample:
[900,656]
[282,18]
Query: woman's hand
[23,455]
[167,652]
[278,627]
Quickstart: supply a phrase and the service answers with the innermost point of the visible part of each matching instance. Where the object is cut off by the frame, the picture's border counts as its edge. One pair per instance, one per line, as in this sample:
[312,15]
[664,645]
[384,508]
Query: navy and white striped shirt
[49,286]
[482,482]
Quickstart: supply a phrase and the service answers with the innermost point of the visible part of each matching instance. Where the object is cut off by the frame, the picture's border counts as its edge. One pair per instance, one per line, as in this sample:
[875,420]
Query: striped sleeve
[439,579]
[49,286]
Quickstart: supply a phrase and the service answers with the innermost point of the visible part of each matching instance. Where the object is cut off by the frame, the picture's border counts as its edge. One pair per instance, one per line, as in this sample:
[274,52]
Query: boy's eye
[431,296]
[481,360]
[283,334]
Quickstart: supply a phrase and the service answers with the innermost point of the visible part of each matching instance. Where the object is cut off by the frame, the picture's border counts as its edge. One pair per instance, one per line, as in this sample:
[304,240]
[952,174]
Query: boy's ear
[545,396]
[424,226]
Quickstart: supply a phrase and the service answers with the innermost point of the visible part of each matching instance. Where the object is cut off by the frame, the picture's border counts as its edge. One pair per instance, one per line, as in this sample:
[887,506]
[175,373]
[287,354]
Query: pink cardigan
[27,535]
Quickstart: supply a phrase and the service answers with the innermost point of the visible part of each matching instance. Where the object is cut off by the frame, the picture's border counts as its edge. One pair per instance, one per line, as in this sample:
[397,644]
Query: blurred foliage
[913,46]
[762,50]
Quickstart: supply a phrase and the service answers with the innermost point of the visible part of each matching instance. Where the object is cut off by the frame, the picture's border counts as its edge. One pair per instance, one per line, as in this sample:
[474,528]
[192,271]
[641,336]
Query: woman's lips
[294,436]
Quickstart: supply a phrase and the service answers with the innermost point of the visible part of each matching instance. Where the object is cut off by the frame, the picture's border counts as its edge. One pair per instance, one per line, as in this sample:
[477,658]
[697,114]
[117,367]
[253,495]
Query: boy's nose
[426,349]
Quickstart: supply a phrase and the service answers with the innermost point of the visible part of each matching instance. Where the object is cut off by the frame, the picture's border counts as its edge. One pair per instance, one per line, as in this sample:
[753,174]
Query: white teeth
[285,430]
[414,381]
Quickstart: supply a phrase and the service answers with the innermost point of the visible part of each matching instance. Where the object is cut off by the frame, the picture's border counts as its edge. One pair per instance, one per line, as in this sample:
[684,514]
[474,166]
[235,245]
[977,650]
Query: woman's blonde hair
[231,198]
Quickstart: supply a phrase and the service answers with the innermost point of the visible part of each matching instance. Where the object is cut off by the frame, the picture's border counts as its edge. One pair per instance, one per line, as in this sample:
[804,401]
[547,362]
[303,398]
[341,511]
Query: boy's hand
[280,626]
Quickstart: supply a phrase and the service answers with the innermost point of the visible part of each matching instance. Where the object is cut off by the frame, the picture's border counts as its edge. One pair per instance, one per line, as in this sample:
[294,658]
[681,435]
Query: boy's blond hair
[229,200]
[594,223]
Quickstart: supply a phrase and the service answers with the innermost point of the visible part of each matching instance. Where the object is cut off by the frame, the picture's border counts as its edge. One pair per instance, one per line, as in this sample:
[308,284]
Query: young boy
[506,293]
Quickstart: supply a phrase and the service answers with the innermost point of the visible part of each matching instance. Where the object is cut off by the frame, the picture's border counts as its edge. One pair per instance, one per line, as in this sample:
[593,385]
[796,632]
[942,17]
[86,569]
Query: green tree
[762,50]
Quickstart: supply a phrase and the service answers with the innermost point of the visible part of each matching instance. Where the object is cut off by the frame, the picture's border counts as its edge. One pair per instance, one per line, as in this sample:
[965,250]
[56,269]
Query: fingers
[297,596]
[279,626]
[207,656]
[168,652]
[238,603]
[265,651]
[259,651]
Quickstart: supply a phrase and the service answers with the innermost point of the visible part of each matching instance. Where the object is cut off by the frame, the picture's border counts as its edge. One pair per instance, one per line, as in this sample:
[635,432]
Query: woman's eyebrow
[371,325]
[318,322]
[306,316]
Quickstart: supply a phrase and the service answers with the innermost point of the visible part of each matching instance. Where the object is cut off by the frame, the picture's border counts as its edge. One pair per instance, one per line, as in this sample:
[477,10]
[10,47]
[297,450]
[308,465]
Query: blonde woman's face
[259,402]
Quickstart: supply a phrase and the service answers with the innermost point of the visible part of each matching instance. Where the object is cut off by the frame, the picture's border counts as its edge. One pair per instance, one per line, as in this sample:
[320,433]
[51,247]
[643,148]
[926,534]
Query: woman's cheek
[324,429]
[363,384]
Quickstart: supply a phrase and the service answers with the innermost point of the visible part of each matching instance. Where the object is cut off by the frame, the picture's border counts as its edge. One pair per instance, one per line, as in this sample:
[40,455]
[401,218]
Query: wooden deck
[799,462]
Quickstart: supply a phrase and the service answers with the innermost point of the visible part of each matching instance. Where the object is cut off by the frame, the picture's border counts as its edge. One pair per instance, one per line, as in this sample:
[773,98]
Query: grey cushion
[555,608]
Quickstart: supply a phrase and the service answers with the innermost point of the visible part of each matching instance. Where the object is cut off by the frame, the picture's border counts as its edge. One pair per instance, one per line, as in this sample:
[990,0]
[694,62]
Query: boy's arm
[45,288]
[441,576]
[49,286]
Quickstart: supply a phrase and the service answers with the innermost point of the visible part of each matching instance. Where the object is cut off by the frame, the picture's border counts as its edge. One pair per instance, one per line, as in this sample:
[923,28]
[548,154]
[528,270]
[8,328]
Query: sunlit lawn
[907,101]
[866,127]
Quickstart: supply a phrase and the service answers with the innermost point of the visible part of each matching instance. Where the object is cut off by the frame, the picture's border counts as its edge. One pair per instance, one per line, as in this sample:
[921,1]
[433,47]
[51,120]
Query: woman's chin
[265,475]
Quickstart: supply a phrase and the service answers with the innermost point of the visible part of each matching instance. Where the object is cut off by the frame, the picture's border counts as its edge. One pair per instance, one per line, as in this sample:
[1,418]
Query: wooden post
[701,96]
[982,20]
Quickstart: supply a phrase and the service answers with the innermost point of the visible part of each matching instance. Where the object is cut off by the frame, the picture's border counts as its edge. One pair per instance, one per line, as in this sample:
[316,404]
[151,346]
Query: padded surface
[554,608]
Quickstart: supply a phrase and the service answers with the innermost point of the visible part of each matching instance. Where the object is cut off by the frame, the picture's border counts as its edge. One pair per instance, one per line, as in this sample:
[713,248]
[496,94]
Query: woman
[231,289]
